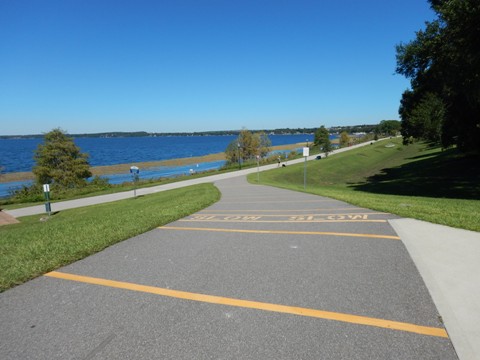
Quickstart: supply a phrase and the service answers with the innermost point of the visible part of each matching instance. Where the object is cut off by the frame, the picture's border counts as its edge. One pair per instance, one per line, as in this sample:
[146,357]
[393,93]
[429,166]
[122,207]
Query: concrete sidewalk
[448,260]
[6,219]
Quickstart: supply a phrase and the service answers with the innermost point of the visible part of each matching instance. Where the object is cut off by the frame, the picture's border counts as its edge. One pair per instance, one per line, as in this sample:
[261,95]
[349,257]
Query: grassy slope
[32,248]
[411,181]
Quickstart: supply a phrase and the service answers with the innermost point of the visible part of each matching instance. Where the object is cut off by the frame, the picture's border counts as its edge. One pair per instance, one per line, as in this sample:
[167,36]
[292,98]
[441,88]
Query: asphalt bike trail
[265,273]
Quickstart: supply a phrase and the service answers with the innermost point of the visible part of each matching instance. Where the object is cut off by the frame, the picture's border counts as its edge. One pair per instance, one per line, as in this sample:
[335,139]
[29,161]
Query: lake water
[16,155]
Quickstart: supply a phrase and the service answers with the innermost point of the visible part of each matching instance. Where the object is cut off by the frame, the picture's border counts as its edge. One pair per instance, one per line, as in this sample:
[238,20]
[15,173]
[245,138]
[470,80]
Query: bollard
[46,192]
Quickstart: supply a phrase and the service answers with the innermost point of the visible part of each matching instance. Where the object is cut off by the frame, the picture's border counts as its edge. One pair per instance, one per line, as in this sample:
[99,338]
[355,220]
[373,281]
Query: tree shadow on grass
[448,174]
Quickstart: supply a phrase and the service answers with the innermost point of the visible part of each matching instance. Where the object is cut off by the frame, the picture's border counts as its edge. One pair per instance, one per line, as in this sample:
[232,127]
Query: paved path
[263,274]
[6,219]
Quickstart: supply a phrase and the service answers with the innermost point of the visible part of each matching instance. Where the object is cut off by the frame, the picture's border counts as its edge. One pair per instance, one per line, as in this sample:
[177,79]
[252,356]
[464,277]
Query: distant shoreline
[120,134]
[365,128]
[125,168]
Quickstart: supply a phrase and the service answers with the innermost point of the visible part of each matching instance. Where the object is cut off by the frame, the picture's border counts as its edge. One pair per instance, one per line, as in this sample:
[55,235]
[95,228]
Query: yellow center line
[282,221]
[281,232]
[327,315]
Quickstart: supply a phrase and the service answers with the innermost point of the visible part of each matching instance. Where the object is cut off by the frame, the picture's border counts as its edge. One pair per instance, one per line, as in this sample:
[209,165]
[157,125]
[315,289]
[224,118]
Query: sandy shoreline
[125,168]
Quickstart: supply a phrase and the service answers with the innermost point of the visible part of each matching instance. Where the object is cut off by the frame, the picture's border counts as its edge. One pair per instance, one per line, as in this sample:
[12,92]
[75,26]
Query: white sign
[46,188]
[306,151]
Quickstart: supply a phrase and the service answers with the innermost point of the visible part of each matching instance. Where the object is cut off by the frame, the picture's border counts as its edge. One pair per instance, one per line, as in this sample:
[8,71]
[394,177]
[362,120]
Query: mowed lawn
[34,247]
[416,181]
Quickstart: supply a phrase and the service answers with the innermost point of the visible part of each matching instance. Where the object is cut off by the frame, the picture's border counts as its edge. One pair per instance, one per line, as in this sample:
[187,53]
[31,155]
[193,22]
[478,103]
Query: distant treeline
[353,129]
[284,131]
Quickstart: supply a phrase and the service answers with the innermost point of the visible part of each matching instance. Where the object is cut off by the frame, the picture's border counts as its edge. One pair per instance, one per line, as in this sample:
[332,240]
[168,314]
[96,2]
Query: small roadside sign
[306,153]
[134,170]
[46,192]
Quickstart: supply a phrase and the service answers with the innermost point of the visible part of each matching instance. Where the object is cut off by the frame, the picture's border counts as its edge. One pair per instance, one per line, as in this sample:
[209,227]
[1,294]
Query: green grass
[32,248]
[416,181]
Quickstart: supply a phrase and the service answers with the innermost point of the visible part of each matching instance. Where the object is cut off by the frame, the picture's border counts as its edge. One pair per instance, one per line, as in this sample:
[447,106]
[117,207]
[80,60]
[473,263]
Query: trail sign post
[306,153]
[258,168]
[46,192]
[134,170]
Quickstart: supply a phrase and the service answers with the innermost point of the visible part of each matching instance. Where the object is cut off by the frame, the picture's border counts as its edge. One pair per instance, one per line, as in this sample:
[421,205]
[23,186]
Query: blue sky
[195,65]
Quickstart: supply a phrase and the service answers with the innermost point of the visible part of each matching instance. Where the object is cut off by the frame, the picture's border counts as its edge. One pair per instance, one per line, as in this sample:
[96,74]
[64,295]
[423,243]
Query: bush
[27,194]
[99,182]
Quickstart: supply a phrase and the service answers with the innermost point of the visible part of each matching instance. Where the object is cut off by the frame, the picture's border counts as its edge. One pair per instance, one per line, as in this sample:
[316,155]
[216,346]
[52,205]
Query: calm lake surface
[16,155]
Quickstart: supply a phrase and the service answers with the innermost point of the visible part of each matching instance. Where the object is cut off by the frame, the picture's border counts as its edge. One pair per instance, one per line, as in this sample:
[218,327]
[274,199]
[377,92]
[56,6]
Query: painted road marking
[375,236]
[296,219]
[296,210]
[293,310]
[354,216]
[329,217]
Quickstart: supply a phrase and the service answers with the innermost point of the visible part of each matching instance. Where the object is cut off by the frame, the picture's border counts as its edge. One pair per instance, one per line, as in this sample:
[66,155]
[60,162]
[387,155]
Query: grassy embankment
[33,247]
[413,181]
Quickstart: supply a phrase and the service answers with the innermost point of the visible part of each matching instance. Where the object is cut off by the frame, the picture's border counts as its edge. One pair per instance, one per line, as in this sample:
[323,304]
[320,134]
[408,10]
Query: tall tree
[388,127]
[232,152]
[247,146]
[427,117]
[444,60]
[59,161]
[322,139]
[264,144]
[344,139]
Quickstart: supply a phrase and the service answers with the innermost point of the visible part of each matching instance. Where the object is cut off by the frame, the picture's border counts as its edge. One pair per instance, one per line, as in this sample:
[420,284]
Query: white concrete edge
[448,260]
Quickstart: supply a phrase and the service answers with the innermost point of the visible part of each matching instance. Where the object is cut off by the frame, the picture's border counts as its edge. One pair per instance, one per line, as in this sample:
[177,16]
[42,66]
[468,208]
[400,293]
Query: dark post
[239,161]
[46,191]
